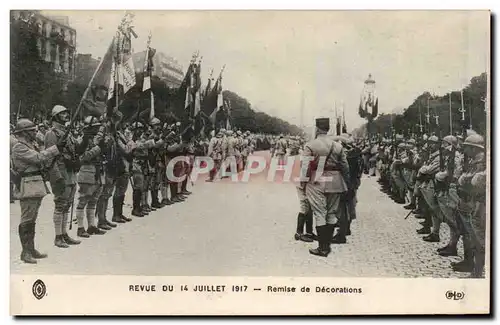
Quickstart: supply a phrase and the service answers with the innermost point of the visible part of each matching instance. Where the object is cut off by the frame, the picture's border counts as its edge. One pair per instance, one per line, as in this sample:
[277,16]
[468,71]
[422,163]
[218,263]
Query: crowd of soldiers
[104,156]
[443,181]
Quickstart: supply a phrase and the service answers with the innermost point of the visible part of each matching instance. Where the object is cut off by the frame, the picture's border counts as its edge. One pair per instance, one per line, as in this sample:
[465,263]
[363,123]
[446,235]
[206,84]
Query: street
[241,229]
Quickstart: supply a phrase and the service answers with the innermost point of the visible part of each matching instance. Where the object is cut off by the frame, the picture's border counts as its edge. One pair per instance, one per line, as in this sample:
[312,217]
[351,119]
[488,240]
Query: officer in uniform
[29,162]
[326,196]
[63,174]
[90,177]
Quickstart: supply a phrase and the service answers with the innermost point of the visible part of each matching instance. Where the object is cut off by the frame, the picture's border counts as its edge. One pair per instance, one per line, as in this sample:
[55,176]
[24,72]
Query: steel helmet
[425,137]
[58,109]
[451,140]
[24,124]
[433,139]
[155,121]
[474,140]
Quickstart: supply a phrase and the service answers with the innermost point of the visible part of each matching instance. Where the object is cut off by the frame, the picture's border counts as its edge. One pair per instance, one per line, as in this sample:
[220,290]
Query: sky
[273,58]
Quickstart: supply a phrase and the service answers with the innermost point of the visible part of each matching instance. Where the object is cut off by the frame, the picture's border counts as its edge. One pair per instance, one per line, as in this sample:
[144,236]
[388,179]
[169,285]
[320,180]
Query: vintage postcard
[249,162]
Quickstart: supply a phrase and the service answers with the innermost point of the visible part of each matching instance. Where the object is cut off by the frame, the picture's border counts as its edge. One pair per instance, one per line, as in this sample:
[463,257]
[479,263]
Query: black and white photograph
[339,145]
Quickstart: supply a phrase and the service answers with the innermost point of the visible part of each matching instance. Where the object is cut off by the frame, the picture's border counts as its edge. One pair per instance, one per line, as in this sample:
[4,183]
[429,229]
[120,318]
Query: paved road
[241,229]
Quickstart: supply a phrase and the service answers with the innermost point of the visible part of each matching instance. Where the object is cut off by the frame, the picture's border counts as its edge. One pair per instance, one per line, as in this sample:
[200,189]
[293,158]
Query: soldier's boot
[105,209]
[164,196]
[117,216]
[121,200]
[309,226]
[154,198]
[299,235]
[70,241]
[184,190]
[34,252]
[81,232]
[340,236]
[173,193]
[300,226]
[24,237]
[467,264]
[136,203]
[323,242]
[59,242]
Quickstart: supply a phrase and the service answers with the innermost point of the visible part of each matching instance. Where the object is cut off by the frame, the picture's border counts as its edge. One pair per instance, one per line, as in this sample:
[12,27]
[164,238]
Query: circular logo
[39,289]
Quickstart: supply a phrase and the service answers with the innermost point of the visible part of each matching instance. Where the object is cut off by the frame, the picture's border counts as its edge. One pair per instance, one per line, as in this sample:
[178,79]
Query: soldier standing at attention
[215,152]
[326,195]
[90,182]
[28,161]
[63,174]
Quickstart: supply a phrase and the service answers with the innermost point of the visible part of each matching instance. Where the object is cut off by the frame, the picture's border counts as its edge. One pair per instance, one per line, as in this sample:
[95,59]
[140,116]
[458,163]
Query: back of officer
[326,195]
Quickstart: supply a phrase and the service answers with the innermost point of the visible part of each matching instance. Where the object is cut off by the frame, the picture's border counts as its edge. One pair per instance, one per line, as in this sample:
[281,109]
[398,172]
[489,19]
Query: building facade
[56,40]
[85,67]
[164,67]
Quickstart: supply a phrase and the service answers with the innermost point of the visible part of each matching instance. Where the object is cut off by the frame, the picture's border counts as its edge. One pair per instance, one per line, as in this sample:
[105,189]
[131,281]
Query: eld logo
[454,295]
[39,289]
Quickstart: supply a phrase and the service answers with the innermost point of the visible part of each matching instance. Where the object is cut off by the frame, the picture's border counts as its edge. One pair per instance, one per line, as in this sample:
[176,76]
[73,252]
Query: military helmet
[399,137]
[433,139]
[411,142]
[441,176]
[58,109]
[451,140]
[154,121]
[24,124]
[238,132]
[402,145]
[474,140]
[91,121]
[136,125]
[425,137]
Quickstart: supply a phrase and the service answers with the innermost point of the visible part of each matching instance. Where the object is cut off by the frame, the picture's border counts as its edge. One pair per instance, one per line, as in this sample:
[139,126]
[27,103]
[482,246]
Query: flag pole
[451,120]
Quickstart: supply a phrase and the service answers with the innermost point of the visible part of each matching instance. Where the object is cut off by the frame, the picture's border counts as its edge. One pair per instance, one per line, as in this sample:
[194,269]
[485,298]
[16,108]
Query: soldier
[426,189]
[354,159]
[280,151]
[63,174]
[325,196]
[471,209]
[446,190]
[138,167]
[156,163]
[30,162]
[215,151]
[90,177]
[124,145]
[188,151]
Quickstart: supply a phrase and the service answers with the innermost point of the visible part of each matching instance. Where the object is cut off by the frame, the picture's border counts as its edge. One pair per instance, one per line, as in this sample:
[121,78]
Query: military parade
[116,157]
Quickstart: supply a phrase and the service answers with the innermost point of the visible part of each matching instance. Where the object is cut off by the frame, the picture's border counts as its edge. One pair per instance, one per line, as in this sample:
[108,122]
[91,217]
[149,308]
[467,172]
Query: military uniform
[472,208]
[62,178]
[29,160]
[215,151]
[326,196]
[125,145]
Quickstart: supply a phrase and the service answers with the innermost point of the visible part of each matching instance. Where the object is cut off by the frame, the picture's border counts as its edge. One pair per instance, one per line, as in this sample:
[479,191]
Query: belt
[331,169]
[28,174]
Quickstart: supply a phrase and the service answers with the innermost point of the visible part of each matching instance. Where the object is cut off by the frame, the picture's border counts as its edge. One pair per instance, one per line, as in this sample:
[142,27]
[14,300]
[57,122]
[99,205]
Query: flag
[101,87]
